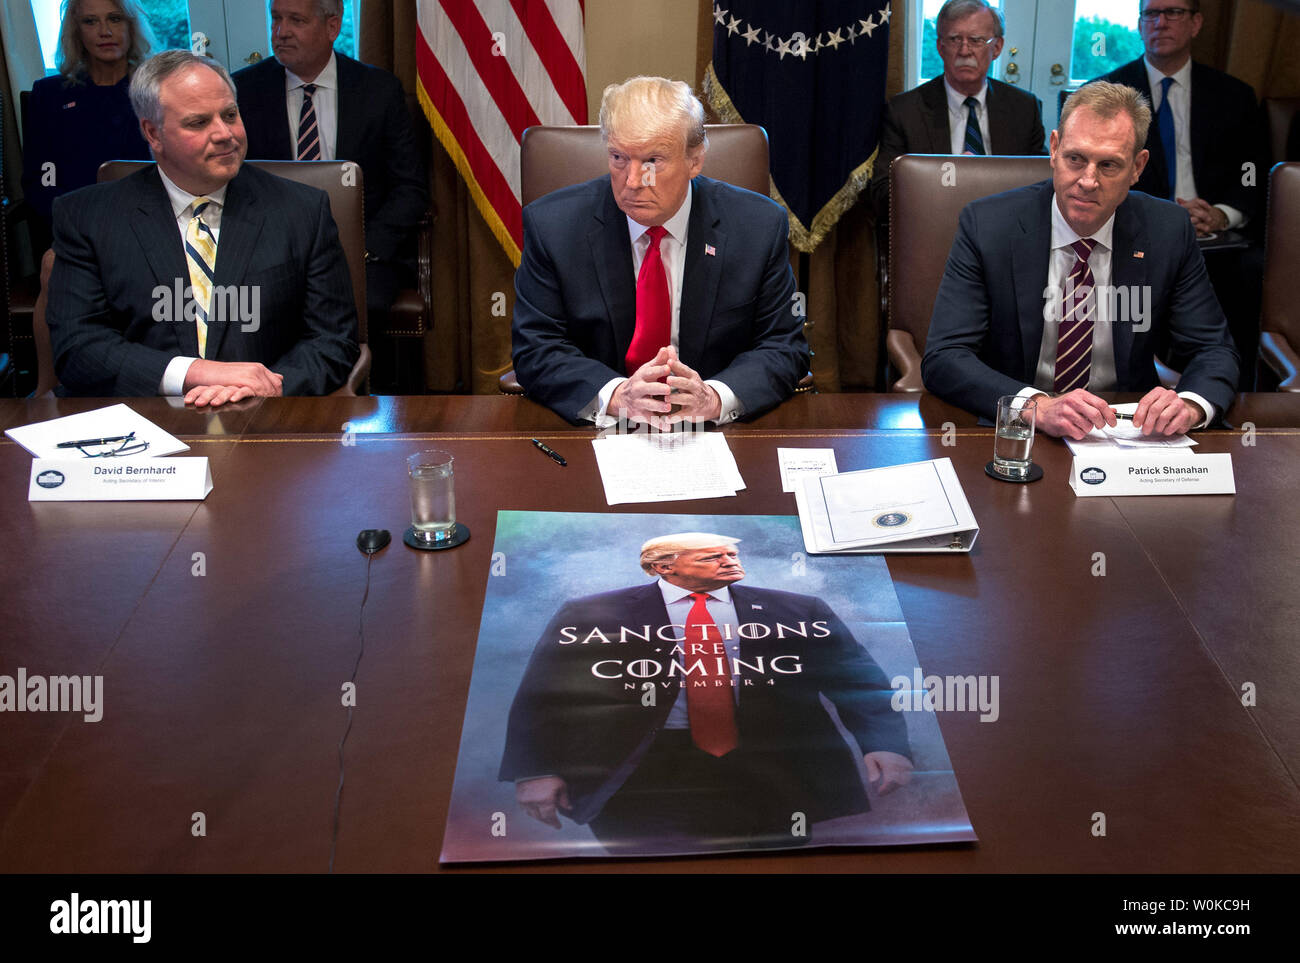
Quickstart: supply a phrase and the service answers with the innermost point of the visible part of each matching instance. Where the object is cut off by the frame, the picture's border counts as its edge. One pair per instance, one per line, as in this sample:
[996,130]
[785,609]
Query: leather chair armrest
[509,384]
[357,377]
[904,356]
[1277,353]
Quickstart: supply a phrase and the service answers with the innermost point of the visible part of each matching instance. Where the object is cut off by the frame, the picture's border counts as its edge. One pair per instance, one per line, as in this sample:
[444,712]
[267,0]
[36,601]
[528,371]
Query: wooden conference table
[1120,694]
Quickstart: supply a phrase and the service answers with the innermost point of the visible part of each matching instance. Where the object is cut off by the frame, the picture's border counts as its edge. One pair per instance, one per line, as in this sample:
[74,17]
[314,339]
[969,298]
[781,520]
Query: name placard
[114,480]
[1152,473]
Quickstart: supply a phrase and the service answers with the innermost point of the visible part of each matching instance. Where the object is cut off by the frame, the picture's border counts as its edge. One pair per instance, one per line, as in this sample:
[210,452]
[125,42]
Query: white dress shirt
[1180,105]
[326,102]
[672,249]
[957,117]
[1102,375]
[173,380]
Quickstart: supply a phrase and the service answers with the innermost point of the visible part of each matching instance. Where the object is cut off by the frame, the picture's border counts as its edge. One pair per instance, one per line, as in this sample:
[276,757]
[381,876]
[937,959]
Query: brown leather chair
[1280,315]
[555,157]
[46,379]
[925,199]
[346,204]
[411,314]
[1279,114]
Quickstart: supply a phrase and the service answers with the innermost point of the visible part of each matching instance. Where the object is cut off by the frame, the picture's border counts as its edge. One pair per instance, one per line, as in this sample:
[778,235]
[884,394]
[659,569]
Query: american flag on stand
[487,70]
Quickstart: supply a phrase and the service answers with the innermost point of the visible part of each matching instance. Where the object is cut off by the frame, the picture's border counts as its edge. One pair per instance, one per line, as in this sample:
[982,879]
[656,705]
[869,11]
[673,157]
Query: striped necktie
[1074,336]
[201,259]
[308,129]
[974,139]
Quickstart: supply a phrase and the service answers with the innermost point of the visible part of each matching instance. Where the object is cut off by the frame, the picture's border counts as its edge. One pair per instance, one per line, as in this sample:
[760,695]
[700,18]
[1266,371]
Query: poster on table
[634,697]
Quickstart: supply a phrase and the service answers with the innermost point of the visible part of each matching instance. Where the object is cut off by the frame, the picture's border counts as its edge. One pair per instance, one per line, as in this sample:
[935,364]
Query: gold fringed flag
[813,74]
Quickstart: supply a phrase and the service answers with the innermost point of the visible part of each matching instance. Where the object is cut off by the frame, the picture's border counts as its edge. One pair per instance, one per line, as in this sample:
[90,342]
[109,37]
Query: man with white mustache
[963,111]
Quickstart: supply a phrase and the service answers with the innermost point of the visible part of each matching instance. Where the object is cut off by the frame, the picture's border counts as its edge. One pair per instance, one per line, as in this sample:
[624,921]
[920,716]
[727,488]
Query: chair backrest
[555,157]
[341,180]
[925,200]
[1280,311]
[1279,114]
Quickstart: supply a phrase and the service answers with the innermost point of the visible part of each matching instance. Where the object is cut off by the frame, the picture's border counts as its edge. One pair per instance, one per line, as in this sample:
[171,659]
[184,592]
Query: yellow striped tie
[201,258]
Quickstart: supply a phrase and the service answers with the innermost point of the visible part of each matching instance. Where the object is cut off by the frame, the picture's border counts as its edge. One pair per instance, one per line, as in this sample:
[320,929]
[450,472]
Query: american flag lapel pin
[757,607]
[1139,254]
[710,250]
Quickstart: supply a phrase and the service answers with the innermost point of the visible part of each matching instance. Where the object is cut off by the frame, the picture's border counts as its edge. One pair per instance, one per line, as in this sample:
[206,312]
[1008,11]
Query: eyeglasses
[1172,14]
[956,41]
[108,447]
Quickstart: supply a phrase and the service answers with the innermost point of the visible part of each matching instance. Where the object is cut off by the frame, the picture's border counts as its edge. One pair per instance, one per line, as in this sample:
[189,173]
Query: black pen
[94,441]
[1124,415]
[550,453]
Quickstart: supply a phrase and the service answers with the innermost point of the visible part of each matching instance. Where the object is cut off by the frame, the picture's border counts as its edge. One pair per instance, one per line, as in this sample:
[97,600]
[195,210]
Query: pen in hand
[549,452]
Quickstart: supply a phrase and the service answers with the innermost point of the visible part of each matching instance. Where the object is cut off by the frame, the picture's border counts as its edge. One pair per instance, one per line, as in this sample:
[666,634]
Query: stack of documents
[666,466]
[918,507]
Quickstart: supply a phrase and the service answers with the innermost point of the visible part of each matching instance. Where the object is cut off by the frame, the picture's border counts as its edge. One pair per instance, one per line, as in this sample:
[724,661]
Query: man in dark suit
[654,294]
[963,111]
[1205,148]
[312,103]
[736,740]
[198,276]
[1066,288]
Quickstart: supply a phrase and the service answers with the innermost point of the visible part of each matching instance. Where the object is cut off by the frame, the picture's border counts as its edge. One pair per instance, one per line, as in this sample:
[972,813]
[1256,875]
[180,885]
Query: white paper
[796,462]
[666,466]
[1125,436]
[42,438]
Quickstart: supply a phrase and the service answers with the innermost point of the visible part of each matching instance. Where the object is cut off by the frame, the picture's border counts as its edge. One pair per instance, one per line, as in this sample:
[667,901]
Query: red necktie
[711,708]
[653,306]
[1074,336]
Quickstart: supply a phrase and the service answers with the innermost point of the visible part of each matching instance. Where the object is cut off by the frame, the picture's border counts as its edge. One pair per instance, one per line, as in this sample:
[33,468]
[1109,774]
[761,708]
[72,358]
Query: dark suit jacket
[1225,133]
[575,297]
[987,328]
[374,130]
[566,721]
[118,248]
[916,122]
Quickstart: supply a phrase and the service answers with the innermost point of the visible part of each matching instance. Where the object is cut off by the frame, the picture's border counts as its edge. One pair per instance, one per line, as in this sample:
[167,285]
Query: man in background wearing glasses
[1204,132]
[964,111]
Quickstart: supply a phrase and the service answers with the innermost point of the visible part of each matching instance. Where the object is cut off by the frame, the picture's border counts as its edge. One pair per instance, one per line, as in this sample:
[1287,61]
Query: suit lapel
[350,107]
[241,224]
[271,100]
[1202,121]
[155,227]
[611,253]
[701,273]
[1000,130]
[1128,270]
[935,98]
[1030,257]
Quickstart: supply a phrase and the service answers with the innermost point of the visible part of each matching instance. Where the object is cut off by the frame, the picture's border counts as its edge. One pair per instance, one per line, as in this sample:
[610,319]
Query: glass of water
[433,495]
[1014,436]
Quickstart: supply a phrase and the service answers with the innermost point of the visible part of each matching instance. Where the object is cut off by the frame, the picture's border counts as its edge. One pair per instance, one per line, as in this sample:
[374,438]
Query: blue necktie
[1165,123]
[974,139]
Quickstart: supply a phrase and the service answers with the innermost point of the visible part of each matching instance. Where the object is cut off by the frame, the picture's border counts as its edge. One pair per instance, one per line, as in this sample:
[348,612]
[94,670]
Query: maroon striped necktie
[1078,311]
[308,129]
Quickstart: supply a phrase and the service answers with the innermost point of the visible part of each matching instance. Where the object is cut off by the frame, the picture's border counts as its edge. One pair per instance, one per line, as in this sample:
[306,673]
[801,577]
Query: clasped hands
[1075,413]
[214,383]
[1206,218]
[651,392]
